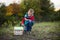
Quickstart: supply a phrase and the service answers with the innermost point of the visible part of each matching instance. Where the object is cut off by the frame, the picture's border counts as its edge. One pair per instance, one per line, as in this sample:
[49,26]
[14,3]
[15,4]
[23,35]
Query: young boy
[28,20]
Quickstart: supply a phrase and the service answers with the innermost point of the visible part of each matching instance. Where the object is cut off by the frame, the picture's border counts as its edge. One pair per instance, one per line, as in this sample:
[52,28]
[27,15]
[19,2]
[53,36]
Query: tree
[47,9]
[13,9]
[34,4]
[9,10]
[43,8]
[57,15]
[2,13]
[2,10]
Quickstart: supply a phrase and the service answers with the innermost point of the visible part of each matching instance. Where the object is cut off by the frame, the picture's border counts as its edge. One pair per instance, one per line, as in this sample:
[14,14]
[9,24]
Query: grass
[40,31]
[45,28]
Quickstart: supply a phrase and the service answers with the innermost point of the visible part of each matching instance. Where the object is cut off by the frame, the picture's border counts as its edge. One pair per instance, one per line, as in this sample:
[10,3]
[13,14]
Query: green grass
[42,30]
[48,26]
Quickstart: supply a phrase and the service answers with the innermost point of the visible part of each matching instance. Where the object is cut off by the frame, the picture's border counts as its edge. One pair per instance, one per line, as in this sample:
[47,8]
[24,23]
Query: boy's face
[30,13]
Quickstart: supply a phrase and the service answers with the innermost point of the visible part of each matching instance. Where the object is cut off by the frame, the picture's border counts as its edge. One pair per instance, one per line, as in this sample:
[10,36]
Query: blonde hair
[31,10]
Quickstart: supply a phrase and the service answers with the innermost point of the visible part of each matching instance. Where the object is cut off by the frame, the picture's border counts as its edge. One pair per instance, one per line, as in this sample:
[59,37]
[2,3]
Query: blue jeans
[28,25]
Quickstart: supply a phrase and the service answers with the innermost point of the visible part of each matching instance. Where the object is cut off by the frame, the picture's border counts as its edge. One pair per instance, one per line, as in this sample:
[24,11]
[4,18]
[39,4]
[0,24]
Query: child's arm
[26,17]
[22,22]
[32,18]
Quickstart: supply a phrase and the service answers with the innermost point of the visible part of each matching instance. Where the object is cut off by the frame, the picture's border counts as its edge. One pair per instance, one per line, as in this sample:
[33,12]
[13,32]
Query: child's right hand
[26,19]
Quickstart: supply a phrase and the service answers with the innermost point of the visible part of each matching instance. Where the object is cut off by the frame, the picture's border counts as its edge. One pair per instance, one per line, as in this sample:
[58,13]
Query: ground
[40,31]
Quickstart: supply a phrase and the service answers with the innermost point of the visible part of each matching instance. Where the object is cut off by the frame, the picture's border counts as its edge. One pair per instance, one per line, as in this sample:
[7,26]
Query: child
[28,20]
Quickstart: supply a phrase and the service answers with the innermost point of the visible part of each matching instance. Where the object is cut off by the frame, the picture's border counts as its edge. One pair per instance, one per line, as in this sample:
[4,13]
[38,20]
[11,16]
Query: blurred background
[47,15]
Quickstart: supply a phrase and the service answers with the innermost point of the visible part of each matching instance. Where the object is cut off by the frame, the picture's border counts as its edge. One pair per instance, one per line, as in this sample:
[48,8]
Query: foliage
[47,10]
[44,11]
[2,13]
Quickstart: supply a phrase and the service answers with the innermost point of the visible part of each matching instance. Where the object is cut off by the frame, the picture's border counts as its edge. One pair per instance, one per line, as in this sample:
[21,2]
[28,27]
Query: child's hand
[22,24]
[26,19]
